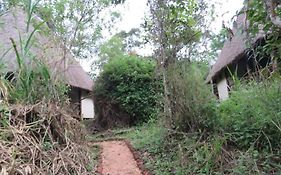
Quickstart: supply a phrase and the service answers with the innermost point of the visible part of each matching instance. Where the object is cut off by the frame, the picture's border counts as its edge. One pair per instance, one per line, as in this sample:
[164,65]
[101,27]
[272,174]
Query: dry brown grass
[42,139]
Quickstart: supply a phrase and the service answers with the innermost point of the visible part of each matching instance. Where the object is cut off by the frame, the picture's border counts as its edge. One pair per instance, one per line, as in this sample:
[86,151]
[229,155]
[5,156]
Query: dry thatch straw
[42,139]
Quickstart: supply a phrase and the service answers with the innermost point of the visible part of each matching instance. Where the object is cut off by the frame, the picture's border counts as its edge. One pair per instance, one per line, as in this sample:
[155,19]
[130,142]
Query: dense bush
[252,116]
[193,104]
[127,85]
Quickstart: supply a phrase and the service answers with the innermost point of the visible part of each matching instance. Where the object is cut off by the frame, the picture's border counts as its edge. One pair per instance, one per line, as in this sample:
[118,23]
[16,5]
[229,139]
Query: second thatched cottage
[238,58]
[51,51]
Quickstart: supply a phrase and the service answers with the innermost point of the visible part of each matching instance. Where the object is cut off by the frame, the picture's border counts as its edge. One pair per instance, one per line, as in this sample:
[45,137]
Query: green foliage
[71,21]
[32,82]
[170,152]
[174,25]
[76,22]
[4,115]
[147,136]
[116,47]
[182,17]
[247,163]
[252,116]
[113,48]
[150,140]
[129,82]
[132,38]
[217,42]
[4,119]
[259,19]
[3,87]
[193,104]
[166,151]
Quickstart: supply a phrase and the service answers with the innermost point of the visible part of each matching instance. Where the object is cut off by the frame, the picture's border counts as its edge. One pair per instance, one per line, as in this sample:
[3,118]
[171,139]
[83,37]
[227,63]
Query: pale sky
[226,9]
[133,13]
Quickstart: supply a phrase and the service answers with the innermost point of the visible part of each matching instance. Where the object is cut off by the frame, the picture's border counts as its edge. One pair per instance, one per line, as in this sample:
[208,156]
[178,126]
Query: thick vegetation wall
[126,91]
[244,140]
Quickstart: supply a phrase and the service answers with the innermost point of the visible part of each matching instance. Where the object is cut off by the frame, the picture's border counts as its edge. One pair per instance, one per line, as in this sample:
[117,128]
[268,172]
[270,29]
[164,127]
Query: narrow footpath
[117,159]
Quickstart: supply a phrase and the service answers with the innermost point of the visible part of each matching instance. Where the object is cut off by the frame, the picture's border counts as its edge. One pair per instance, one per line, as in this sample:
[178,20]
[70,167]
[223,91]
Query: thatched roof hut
[233,50]
[45,46]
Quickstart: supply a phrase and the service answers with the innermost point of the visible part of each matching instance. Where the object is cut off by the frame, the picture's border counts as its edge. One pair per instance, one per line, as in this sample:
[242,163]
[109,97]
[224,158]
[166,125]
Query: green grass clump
[167,152]
[252,116]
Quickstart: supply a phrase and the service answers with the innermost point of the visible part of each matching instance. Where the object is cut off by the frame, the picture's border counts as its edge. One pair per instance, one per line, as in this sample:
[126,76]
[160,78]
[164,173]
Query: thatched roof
[45,46]
[74,74]
[233,49]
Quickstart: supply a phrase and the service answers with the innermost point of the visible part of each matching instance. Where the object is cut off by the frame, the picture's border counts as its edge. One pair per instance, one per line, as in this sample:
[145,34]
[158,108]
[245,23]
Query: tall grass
[252,115]
[193,104]
[32,80]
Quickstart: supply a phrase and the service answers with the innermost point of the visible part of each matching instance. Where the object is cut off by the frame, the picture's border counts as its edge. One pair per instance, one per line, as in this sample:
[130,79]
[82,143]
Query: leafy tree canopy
[78,23]
[265,15]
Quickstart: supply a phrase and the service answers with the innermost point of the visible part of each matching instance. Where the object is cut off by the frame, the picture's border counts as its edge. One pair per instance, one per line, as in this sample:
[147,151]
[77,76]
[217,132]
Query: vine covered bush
[128,88]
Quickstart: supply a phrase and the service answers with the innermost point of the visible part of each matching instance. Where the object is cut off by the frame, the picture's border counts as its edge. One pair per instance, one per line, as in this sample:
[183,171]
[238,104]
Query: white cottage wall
[223,89]
[87,106]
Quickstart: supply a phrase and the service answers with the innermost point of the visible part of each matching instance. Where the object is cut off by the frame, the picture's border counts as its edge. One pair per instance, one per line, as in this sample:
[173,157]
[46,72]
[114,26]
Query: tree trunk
[167,105]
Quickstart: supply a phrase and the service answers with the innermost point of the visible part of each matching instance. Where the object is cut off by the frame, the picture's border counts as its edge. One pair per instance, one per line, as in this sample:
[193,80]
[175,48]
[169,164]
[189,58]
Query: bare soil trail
[117,159]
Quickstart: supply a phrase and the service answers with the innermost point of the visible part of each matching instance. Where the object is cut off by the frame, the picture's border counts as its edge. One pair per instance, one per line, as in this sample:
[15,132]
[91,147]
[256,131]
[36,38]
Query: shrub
[127,86]
[252,116]
[193,104]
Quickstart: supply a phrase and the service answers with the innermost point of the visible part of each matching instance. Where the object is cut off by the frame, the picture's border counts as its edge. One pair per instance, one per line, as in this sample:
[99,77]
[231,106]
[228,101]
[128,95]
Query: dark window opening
[215,90]
[75,100]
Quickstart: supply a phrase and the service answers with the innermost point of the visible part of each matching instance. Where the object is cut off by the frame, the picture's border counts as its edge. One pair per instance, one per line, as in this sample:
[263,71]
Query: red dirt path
[117,159]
